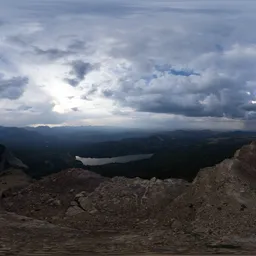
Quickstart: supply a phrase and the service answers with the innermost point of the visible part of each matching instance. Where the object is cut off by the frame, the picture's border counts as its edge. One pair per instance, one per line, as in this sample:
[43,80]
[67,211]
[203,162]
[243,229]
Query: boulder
[73,203]
[54,202]
[81,194]
[74,210]
[86,204]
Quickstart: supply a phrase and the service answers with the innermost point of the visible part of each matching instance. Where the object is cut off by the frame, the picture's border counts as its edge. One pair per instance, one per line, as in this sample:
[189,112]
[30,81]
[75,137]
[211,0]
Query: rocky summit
[121,203]
[78,211]
[50,197]
[220,203]
[7,160]
[12,176]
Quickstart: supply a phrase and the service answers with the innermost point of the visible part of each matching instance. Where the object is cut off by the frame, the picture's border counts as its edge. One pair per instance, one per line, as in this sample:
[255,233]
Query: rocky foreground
[77,212]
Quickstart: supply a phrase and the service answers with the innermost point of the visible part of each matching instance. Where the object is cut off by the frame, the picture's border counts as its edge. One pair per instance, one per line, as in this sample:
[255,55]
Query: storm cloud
[52,53]
[79,70]
[12,88]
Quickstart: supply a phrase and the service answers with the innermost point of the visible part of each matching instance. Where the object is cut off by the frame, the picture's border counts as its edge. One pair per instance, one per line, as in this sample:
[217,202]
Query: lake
[119,159]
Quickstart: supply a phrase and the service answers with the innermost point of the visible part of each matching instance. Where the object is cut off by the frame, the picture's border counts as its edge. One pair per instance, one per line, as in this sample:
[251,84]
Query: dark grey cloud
[84,97]
[108,93]
[179,106]
[5,61]
[207,11]
[21,108]
[207,96]
[224,103]
[9,109]
[12,88]
[79,70]
[76,45]
[249,107]
[72,82]
[171,106]
[75,109]
[51,9]
[24,107]
[18,40]
[110,8]
[53,53]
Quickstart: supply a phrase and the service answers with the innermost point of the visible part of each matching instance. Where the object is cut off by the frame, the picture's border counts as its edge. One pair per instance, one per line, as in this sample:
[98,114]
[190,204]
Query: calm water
[119,159]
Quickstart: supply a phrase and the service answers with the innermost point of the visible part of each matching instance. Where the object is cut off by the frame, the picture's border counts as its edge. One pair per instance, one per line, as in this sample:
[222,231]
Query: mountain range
[176,154]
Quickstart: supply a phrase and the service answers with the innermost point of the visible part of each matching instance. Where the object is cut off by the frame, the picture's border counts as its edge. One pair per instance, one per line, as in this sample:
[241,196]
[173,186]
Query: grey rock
[74,210]
[57,202]
[154,179]
[220,203]
[93,211]
[54,202]
[53,187]
[73,203]
[86,204]
[81,194]
[123,202]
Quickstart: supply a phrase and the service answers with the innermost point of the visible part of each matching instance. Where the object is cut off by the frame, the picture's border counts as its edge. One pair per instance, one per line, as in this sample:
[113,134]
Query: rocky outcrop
[12,177]
[86,200]
[125,203]
[7,160]
[221,202]
[13,180]
[50,197]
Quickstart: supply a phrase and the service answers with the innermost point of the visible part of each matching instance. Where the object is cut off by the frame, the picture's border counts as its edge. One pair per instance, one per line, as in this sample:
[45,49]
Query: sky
[167,64]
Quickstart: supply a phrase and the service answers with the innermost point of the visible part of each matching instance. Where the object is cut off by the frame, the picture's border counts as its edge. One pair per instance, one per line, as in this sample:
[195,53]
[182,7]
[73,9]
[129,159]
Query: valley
[176,154]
